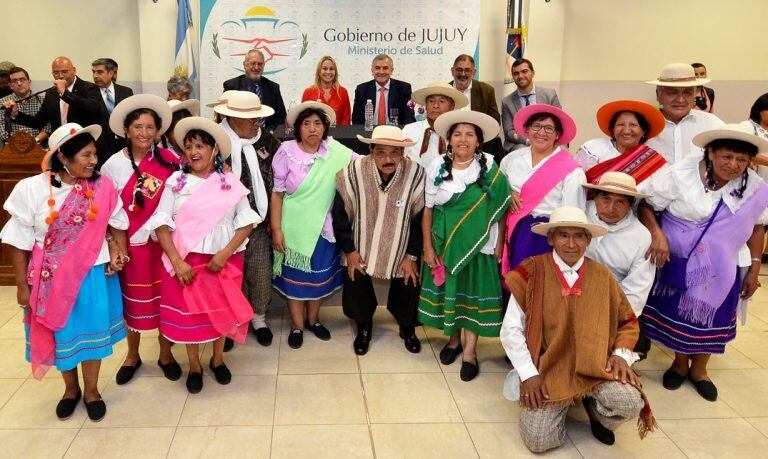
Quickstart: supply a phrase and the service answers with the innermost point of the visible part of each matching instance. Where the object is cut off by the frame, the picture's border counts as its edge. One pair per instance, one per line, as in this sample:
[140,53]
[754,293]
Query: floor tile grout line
[365,398]
[279,345]
[181,414]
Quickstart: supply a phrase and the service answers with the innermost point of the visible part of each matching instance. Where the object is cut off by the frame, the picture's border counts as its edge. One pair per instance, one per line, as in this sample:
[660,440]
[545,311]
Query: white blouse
[415,132]
[437,195]
[221,234]
[518,167]
[28,206]
[761,132]
[596,151]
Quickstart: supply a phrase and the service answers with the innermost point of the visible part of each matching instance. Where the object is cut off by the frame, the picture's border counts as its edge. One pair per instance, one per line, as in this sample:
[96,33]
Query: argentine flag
[185,59]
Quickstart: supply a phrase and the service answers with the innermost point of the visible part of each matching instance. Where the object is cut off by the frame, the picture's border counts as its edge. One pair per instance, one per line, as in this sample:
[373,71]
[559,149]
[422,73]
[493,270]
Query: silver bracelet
[757,260]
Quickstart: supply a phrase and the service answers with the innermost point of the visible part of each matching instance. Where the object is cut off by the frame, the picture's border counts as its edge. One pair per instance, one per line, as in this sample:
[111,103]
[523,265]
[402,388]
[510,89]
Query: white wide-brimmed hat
[290,118]
[387,135]
[487,124]
[204,124]
[571,217]
[243,104]
[443,89]
[617,182]
[64,134]
[732,132]
[135,102]
[222,98]
[193,105]
[678,75]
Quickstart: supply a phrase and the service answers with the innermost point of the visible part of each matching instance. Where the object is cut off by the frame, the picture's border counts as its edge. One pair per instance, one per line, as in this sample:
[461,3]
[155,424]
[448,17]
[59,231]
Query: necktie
[110,101]
[527,98]
[381,117]
[255,88]
[425,142]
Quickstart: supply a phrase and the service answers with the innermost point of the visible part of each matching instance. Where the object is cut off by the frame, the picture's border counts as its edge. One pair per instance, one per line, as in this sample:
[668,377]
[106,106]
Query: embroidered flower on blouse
[31,273]
[78,187]
[45,273]
[77,219]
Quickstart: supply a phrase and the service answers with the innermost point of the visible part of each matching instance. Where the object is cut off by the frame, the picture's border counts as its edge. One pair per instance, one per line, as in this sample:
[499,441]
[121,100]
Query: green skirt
[471,299]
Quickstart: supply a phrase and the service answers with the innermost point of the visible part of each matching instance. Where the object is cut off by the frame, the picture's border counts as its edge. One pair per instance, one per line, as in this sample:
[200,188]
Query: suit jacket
[483,99]
[399,96]
[113,142]
[510,105]
[270,96]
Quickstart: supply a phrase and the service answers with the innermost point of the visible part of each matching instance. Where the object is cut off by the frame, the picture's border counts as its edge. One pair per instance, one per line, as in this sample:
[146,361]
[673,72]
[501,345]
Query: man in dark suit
[482,96]
[396,95]
[267,90]
[104,71]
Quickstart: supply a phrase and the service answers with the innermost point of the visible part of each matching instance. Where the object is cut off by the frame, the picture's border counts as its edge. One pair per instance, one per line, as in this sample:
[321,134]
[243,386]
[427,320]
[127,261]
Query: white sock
[259,321]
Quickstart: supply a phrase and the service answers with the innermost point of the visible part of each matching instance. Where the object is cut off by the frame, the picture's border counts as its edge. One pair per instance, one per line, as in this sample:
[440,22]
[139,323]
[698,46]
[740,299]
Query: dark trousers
[358,300]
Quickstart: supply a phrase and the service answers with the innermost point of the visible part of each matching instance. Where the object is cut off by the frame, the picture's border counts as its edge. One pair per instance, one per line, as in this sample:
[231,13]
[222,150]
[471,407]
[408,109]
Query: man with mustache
[377,223]
[481,95]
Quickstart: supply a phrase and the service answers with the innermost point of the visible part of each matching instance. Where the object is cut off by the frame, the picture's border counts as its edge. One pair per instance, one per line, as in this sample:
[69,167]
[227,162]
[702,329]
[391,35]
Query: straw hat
[651,114]
[569,217]
[569,126]
[222,98]
[387,135]
[126,106]
[678,75]
[443,89]
[243,104]
[293,113]
[617,182]
[64,134]
[488,125]
[193,105]
[204,124]
[733,132]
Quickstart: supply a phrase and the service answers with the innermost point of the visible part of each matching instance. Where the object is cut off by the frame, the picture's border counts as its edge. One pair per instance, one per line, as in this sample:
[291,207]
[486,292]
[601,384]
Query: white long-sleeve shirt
[676,140]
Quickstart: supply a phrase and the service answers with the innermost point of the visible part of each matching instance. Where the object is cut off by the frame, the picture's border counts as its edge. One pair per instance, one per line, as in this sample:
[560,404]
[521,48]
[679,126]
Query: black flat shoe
[194,382]
[706,389]
[264,336]
[296,338]
[599,431]
[66,407]
[171,370]
[448,354]
[363,338]
[469,370]
[412,344]
[222,373]
[96,409]
[229,343]
[125,373]
[672,380]
[319,330]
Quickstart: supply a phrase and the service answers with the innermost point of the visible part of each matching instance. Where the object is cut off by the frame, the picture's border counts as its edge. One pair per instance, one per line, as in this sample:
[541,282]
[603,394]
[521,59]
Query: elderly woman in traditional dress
[139,172]
[466,195]
[307,265]
[711,207]
[63,259]
[543,177]
[628,125]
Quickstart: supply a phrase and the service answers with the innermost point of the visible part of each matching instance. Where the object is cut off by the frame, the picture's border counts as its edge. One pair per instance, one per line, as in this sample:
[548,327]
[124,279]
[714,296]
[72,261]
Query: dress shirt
[415,132]
[531,97]
[467,93]
[30,106]
[63,106]
[376,102]
[676,140]
[103,92]
[513,328]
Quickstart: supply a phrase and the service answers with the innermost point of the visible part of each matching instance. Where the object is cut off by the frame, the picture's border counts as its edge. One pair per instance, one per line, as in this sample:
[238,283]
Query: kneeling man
[376,221]
[569,331]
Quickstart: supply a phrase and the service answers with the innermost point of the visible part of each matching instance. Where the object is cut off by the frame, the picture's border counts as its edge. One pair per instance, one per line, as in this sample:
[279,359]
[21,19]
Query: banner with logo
[422,37]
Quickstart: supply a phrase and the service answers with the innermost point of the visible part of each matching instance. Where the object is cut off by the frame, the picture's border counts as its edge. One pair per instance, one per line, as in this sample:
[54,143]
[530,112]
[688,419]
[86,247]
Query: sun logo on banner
[282,42]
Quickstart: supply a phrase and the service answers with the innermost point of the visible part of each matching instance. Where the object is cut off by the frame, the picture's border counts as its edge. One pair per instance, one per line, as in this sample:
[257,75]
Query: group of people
[577,262]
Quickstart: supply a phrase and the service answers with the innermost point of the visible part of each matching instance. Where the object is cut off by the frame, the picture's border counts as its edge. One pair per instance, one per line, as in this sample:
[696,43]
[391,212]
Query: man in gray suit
[526,94]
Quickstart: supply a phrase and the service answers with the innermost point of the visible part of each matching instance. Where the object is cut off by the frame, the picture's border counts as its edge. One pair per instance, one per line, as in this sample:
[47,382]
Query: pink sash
[56,271]
[533,191]
[155,175]
[201,212]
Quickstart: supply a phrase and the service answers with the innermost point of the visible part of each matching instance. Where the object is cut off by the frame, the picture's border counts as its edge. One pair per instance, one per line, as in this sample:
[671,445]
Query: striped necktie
[110,100]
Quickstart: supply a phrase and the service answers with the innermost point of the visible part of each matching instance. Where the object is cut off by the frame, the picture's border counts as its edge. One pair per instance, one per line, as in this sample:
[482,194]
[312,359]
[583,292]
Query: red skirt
[140,283]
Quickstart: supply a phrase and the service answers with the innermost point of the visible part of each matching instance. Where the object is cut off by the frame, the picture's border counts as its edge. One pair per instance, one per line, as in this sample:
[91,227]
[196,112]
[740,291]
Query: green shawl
[461,226]
[304,211]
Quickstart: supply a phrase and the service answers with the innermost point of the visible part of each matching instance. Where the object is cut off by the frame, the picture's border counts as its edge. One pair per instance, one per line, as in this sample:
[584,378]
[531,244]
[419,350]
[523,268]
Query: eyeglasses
[21,80]
[548,128]
[463,70]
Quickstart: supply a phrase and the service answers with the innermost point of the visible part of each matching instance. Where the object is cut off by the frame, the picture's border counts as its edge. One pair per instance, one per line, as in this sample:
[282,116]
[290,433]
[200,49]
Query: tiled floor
[323,401]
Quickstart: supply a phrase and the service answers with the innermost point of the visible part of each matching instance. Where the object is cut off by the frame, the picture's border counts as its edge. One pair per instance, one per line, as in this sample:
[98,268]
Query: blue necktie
[110,101]
[255,88]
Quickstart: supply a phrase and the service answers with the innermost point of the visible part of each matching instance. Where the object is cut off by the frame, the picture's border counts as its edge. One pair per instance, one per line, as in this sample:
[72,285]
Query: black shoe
[319,330]
[448,354]
[66,406]
[264,336]
[672,380]
[229,343]
[96,409]
[409,339]
[222,373]
[469,370]
[706,389]
[194,382]
[125,373]
[296,338]
[363,338]
[171,370]
[599,431]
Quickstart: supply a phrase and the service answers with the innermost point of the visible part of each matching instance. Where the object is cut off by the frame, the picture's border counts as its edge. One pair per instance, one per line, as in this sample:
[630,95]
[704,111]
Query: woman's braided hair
[138,196]
[446,169]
